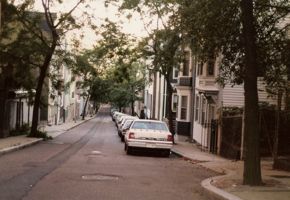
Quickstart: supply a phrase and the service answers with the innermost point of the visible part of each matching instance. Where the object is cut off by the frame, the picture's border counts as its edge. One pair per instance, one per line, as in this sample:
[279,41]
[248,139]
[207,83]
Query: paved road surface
[88,162]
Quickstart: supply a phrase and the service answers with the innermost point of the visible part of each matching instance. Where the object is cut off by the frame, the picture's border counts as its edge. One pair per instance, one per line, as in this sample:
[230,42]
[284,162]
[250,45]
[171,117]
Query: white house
[210,98]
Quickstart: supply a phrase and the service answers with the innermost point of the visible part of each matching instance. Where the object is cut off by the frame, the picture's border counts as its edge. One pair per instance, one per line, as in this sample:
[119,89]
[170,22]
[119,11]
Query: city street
[88,162]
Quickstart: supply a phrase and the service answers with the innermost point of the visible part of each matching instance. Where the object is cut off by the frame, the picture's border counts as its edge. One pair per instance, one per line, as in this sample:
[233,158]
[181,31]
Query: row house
[63,103]
[211,98]
[197,101]
[182,99]
[155,97]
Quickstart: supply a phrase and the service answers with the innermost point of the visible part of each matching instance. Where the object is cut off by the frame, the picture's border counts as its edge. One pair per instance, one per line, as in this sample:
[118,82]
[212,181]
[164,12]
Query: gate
[213,136]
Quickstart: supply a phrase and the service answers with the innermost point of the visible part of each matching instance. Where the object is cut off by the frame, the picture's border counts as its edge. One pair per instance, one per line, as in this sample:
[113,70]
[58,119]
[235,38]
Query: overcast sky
[133,26]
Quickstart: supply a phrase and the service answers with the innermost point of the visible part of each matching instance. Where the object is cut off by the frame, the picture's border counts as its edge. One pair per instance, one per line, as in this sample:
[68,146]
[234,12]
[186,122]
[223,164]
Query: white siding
[263,95]
[234,96]
[185,91]
[200,134]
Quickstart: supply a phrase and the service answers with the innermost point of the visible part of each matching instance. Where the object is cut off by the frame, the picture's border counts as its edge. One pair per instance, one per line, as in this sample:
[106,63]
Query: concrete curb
[15,148]
[211,190]
[75,125]
[37,140]
[83,121]
[176,152]
[217,192]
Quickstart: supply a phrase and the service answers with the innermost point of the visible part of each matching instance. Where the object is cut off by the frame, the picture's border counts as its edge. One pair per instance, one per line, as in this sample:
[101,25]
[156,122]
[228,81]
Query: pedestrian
[142,114]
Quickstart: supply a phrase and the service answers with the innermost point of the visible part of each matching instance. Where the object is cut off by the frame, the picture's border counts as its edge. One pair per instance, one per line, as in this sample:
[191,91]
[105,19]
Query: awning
[211,95]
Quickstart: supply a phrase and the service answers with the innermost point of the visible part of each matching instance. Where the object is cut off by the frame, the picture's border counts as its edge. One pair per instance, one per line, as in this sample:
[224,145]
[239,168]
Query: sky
[134,26]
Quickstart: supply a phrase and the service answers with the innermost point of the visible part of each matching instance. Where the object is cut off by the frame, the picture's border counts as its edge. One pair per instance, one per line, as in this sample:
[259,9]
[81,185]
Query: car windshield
[150,125]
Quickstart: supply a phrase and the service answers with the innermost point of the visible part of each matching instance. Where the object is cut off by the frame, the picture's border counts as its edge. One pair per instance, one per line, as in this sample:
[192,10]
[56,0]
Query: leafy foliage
[34,41]
[215,27]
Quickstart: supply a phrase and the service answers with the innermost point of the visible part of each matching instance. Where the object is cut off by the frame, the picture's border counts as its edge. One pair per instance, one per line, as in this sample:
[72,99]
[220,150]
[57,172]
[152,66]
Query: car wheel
[129,150]
[166,153]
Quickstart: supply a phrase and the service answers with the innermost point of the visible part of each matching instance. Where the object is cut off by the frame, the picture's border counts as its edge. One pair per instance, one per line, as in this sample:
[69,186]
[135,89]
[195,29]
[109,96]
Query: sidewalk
[229,184]
[17,142]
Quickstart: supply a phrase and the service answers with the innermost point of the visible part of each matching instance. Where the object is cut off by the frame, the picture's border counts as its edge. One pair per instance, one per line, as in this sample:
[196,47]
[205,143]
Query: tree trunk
[37,98]
[169,108]
[4,129]
[132,109]
[277,129]
[85,107]
[4,90]
[252,165]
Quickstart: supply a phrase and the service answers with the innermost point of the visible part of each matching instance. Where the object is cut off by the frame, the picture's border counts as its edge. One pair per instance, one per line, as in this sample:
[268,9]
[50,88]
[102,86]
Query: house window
[210,67]
[210,64]
[196,107]
[186,62]
[199,69]
[183,111]
[174,102]
[175,72]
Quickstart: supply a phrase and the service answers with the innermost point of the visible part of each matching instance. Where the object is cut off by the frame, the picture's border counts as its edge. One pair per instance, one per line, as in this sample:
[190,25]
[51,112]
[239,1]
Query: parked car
[116,115]
[119,118]
[122,120]
[113,110]
[125,127]
[148,134]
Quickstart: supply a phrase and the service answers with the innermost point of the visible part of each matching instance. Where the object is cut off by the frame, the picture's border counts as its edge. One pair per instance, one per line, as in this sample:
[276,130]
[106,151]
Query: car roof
[149,120]
[129,117]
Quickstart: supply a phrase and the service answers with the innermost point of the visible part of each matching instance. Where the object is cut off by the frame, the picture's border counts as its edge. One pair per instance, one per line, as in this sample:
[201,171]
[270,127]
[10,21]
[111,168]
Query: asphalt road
[89,162]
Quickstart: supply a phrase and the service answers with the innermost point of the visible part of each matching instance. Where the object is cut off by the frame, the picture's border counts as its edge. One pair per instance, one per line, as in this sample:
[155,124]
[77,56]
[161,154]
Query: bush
[40,134]
[23,130]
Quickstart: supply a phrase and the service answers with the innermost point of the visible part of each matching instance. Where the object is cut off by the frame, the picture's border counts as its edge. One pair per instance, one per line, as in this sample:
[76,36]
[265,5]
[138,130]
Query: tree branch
[69,13]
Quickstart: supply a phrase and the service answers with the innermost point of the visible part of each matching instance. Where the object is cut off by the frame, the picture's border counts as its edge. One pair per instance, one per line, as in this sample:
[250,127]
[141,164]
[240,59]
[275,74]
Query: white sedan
[150,134]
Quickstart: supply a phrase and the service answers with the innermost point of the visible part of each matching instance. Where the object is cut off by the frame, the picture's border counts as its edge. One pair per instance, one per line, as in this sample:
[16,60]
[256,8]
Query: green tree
[17,66]
[164,49]
[117,54]
[247,37]
[129,79]
[47,30]
[252,164]
[163,45]
[82,66]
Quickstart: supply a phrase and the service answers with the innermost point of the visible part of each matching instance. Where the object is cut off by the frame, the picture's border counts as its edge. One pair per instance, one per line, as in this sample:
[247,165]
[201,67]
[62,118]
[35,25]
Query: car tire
[166,153]
[129,150]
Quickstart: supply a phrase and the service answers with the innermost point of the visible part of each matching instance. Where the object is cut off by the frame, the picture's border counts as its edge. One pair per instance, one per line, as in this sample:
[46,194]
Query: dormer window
[174,102]
[210,65]
[175,72]
[199,69]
